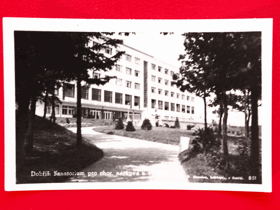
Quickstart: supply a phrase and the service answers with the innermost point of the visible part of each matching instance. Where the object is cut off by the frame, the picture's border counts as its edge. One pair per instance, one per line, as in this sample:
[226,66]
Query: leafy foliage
[130,126]
[146,125]
[205,139]
[120,124]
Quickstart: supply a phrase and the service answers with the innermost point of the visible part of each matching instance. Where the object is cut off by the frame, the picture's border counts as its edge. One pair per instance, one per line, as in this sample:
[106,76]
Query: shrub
[119,125]
[130,126]
[157,123]
[189,127]
[67,120]
[205,139]
[146,125]
[177,123]
[166,125]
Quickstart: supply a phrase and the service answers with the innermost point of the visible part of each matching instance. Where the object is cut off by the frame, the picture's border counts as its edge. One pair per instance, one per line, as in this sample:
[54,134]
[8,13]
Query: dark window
[108,96]
[118,98]
[154,103]
[183,108]
[84,91]
[137,73]
[136,101]
[188,109]
[166,106]
[96,94]
[172,107]
[108,50]
[192,110]
[178,107]
[69,90]
[159,104]
[128,99]
[95,75]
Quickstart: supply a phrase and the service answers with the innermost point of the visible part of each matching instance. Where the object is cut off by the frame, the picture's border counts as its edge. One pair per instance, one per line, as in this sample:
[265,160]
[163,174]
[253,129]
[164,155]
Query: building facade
[142,89]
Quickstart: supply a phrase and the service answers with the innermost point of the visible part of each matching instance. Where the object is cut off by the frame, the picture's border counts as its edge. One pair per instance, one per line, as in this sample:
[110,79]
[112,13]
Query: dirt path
[131,160]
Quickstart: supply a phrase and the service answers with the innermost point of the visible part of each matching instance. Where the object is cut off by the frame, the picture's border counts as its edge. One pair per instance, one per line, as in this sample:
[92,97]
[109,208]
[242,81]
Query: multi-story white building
[142,88]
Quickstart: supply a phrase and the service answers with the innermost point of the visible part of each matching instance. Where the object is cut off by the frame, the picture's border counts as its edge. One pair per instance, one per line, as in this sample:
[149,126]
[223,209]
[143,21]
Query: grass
[54,150]
[212,164]
[207,165]
[86,122]
[157,134]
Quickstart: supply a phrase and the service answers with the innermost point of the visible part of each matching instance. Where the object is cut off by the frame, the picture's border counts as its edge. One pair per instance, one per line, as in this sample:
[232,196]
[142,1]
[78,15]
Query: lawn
[157,134]
[86,122]
[54,150]
[208,164]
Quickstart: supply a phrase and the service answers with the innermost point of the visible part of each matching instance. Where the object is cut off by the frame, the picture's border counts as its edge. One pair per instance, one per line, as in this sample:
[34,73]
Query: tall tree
[87,55]
[231,61]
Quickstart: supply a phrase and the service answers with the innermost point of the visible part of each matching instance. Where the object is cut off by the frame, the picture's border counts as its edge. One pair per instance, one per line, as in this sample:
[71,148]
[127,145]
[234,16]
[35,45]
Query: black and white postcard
[138,104]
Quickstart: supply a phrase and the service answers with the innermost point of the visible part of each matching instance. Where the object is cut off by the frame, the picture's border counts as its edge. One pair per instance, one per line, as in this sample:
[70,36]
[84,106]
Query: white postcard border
[224,25]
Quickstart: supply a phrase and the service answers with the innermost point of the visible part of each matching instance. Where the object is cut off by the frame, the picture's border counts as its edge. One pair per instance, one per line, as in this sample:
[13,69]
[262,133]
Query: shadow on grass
[238,170]
[53,150]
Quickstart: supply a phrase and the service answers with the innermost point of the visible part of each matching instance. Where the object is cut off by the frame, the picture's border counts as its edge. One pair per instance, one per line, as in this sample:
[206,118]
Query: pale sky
[163,47]
[168,48]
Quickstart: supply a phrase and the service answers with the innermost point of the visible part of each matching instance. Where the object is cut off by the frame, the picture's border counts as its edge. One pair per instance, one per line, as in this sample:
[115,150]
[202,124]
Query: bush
[67,120]
[119,125]
[146,125]
[166,125]
[130,126]
[205,139]
[189,127]
[177,123]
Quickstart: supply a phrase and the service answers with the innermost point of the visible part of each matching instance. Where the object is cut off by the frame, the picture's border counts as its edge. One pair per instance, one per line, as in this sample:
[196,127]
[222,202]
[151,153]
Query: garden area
[53,150]
[196,161]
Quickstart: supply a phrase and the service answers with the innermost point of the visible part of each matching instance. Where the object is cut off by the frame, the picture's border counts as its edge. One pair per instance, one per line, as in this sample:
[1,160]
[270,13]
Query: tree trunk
[23,102]
[246,125]
[220,124]
[255,150]
[53,105]
[205,113]
[225,146]
[248,122]
[20,150]
[46,103]
[79,107]
[30,130]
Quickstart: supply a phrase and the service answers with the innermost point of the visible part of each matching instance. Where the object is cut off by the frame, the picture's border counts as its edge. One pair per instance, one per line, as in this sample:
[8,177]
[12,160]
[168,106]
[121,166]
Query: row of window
[70,89]
[108,97]
[179,107]
[128,84]
[129,59]
[127,70]
[160,81]
[172,94]
[160,69]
